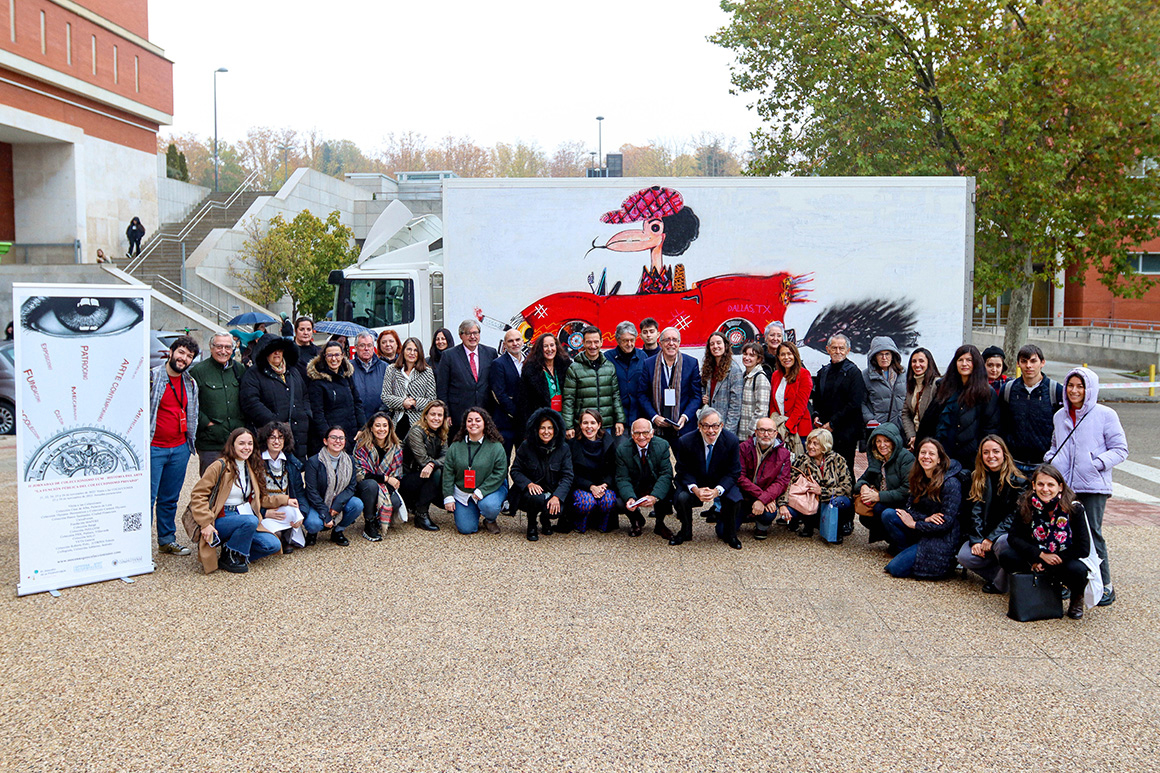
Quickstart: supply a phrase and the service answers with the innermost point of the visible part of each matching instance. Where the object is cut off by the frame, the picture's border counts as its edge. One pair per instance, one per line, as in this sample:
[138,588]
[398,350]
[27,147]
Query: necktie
[708,456]
[474,367]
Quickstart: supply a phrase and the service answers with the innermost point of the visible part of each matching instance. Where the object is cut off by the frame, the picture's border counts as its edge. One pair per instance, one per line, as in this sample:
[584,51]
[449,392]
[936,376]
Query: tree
[459,155]
[403,153]
[519,160]
[295,259]
[1048,104]
[176,167]
[571,159]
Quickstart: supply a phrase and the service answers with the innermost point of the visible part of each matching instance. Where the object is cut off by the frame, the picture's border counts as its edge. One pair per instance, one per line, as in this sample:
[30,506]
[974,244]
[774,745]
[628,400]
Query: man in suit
[644,478]
[504,381]
[461,380]
[708,467]
[669,388]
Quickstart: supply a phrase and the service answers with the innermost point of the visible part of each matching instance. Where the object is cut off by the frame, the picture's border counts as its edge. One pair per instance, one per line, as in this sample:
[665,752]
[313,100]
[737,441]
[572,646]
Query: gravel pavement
[441,652]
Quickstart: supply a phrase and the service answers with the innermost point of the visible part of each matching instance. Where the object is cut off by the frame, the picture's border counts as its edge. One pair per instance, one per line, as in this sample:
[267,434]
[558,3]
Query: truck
[820,256]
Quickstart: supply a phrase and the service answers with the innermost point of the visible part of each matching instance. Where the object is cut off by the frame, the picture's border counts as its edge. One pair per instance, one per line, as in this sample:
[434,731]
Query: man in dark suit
[708,466]
[644,478]
[461,379]
[669,388]
[504,379]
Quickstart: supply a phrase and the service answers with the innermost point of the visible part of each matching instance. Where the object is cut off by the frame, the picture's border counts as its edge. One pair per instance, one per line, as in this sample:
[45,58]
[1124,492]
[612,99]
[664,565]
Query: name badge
[183,423]
[245,509]
[469,480]
[670,398]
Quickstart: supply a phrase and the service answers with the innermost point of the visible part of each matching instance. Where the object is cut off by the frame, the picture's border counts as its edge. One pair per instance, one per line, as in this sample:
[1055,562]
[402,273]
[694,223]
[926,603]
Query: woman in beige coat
[225,504]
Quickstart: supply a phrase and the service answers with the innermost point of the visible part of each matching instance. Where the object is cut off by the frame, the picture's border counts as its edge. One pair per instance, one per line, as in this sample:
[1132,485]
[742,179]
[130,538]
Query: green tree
[295,259]
[1048,103]
[518,160]
[176,167]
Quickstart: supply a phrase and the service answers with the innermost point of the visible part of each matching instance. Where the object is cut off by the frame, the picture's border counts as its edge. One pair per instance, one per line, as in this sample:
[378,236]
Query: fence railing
[208,207]
[48,253]
[189,299]
[996,320]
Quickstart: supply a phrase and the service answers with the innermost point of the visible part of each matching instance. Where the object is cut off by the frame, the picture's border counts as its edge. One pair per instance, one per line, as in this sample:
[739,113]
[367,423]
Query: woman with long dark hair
[593,499]
[408,386]
[378,466]
[790,386]
[542,472]
[721,381]
[926,532]
[475,473]
[970,407]
[922,375]
[996,486]
[542,376]
[440,343]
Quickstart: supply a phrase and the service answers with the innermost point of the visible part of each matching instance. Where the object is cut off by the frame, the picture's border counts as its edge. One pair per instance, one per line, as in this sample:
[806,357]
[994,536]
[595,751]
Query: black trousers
[420,493]
[368,492]
[685,502]
[536,505]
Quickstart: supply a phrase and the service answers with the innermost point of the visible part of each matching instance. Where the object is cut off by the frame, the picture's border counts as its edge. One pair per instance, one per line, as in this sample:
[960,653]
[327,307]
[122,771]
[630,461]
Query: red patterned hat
[642,205]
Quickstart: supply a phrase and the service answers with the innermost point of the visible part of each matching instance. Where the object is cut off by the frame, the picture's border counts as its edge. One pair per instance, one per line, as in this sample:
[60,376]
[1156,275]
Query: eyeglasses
[711,427]
[670,340]
[336,437]
[221,346]
[639,433]
[763,431]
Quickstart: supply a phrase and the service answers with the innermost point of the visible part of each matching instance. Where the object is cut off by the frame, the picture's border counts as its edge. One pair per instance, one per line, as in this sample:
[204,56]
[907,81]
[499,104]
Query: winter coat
[912,416]
[754,401]
[315,478]
[368,381]
[268,397]
[534,387]
[627,374]
[938,544]
[219,402]
[895,470]
[206,513]
[833,475]
[961,430]
[991,517]
[396,389]
[726,397]
[592,384]
[593,466]
[769,480]
[838,394]
[796,406]
[422,448]
[334,401]
[547,465]
[1023,542]
[1027,417]
[885,389]
[1098,444]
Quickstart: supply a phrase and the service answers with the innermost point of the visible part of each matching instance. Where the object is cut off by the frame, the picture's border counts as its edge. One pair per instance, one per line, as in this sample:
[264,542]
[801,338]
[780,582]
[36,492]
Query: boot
[533,533]
[287,545]
[423,521]
[311,538]
[232,561]
[371,530]
[546,524]
[1075,607]
[565,525]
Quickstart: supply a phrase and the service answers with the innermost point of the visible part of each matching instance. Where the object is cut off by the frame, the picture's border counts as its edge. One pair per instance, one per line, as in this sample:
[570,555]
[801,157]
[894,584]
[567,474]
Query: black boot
[564,525]
[533,533]
[546,524]
[371,529]
[232,561]
[311,539]
[287,545]
[423,521]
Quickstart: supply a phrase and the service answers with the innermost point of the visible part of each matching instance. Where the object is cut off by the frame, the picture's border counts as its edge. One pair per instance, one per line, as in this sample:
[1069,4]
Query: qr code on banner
[132,522]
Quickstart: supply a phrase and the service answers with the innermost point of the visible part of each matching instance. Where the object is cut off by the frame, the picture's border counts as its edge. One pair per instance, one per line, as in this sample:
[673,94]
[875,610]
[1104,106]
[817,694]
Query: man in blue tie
[708,467]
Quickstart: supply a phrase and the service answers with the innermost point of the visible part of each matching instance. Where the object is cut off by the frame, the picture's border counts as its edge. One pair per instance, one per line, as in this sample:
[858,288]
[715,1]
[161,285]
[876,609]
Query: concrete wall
[49,208]
[1092,352]
[120,184]
[175,199]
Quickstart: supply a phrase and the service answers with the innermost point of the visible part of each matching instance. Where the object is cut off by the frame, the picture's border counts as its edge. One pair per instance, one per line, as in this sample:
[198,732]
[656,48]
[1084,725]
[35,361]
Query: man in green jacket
[591,382]
[219,409]
[644,478]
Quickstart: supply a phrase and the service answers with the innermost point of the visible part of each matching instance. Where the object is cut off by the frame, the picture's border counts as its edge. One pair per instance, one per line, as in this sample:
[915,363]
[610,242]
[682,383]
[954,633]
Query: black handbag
[1033,598]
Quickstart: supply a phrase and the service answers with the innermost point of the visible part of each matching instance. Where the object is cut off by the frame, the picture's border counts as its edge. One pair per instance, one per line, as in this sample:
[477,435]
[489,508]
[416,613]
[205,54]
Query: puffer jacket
[1098,444]
[727,397]
[589,384]
[268,397]
[334,400]
[895,470]
[885,389]
[938,543]
[548,466]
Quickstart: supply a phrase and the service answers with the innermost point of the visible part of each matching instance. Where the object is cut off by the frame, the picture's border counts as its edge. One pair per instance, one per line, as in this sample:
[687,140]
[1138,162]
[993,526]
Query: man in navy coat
[504,378]
[627,360]
[708,467]
[461,380]
[667,395]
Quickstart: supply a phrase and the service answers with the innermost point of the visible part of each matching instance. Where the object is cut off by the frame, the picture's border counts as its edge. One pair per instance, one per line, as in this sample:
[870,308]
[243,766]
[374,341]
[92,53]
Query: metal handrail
[233,197]
[187,297]
[1096,322]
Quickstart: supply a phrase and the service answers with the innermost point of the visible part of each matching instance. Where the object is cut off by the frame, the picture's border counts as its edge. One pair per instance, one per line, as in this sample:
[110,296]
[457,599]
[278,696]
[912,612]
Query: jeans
[987,567]
[898,534]
[902,565]
[166,477]
[240,534]
[350,513]
[1093,505]
[467,515]
[311,521]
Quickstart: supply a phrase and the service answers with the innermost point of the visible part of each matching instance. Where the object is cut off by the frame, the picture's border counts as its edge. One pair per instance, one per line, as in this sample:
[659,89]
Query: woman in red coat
[789,391]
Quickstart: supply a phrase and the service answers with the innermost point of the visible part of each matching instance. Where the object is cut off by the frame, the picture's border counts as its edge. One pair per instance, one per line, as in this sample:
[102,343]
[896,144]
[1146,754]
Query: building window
[1145,262]
[94,54]
[68,44]
[137,73]
[116,74]
[43,40]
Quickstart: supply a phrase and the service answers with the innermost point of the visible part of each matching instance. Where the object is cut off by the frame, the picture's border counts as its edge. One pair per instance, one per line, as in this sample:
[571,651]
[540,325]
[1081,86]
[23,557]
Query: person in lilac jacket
[1086,444]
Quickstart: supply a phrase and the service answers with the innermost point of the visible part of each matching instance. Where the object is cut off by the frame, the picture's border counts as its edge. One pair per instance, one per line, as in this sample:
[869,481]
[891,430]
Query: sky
[507,70]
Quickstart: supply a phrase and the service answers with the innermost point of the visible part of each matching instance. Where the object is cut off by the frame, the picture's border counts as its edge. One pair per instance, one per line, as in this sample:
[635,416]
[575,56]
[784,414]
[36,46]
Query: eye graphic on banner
[87,316]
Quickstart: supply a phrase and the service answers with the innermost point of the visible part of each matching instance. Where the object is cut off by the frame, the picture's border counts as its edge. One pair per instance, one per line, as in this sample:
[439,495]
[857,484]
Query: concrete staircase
[166,254]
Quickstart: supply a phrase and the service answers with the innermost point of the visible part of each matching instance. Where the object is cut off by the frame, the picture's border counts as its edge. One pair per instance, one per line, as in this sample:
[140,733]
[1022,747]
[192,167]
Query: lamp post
[600,144]
[215,134]
[285,168]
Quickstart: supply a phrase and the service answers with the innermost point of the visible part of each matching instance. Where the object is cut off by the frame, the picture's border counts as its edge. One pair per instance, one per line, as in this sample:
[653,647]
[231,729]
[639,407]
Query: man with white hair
[708,467]
[628,360]
[369,372]
[765,476]
[668,390]
[219,408]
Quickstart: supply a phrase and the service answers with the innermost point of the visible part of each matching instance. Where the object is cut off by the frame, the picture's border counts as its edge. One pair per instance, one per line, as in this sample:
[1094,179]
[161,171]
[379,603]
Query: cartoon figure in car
[668,227]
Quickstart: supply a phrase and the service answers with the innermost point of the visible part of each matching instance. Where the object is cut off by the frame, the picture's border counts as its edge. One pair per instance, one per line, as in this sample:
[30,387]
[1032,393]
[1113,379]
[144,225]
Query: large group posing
[974,468]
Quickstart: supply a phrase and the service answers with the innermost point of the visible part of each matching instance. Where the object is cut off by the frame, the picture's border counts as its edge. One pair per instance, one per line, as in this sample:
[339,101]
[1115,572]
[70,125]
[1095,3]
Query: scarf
[335,483]
[387,462]
[658,387]
[280,372]
[916,395]
[1050,525]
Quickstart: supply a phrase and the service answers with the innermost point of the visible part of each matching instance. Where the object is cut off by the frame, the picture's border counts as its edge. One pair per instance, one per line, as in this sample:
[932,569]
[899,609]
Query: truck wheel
[738,332]
[571,336]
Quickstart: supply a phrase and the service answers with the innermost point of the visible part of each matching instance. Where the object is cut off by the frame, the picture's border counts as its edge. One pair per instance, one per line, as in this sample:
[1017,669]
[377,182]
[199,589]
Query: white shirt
[518,363]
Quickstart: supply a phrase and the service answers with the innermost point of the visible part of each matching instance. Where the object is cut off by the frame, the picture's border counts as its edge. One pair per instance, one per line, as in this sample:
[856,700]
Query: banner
[82,434]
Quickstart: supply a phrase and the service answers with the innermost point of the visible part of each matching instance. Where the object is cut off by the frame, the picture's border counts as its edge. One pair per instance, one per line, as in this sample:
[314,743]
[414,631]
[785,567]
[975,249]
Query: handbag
[192,527]
[1032,598]
[862,509]
[800,498]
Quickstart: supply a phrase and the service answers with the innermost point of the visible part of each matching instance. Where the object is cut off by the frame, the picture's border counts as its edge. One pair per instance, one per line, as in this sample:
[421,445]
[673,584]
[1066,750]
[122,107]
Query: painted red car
[738,305]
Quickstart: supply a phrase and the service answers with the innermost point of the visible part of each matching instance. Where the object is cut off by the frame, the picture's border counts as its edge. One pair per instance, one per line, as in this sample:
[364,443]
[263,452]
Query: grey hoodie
[885,389]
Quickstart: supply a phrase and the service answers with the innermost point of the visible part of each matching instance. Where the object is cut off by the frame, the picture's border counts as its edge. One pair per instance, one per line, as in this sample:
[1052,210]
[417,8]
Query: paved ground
[588,653]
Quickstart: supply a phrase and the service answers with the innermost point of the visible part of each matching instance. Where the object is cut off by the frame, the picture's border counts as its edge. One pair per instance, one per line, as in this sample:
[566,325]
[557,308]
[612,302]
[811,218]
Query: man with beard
[173,429]
[765,474]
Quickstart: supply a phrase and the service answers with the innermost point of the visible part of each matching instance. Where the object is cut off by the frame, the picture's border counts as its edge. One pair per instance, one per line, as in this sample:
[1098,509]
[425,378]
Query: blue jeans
[350,513]
[240,534]
[166,477]
[899,535]
[467,515]
[902,565]
[311,520]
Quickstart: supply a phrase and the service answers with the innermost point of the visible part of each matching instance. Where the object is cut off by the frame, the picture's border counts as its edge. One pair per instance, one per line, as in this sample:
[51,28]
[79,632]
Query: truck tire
[738,332]
[571,336]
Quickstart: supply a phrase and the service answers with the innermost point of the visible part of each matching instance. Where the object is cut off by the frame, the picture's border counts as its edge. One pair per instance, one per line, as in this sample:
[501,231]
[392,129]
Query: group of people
[971,467]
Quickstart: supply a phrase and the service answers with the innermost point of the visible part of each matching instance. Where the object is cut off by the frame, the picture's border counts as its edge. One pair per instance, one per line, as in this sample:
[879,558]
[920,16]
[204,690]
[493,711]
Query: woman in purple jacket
[1087,443]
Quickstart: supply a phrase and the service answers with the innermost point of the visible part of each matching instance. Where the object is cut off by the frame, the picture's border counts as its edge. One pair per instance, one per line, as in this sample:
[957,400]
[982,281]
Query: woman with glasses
[334,399]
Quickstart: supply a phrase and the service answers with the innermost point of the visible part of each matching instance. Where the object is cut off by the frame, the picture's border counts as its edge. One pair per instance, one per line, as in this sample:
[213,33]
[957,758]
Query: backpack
[1054,389]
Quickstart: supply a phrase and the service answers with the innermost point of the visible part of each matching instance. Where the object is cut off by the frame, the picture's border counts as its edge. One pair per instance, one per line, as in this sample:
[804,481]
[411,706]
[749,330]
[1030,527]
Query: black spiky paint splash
[860,321]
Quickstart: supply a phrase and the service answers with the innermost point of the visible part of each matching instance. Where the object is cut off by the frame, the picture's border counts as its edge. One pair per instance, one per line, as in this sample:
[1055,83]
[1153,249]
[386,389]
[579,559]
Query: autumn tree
[1047,103]
[460,155]
[518,160]
[295,259]
[403,153]
[571,159]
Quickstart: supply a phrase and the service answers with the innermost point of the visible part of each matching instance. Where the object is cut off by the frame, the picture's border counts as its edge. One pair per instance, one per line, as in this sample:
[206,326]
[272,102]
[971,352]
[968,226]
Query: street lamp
[600,144]
[285,168]
[215,134]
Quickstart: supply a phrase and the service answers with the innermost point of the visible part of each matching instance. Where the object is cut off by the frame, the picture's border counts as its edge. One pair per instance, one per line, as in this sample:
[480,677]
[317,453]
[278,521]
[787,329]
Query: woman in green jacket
[475,473]
[885,484]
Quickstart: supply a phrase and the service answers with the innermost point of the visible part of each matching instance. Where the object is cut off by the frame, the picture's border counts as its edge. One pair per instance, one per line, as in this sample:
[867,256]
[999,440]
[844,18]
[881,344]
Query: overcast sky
[500,71]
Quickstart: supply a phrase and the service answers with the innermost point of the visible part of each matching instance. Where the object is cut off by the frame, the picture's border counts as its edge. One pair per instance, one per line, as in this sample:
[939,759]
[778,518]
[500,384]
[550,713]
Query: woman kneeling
[926,533]
[542,471]
[225,504]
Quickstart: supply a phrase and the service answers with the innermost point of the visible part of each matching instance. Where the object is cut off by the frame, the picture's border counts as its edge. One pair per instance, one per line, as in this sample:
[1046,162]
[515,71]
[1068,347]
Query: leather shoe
[990,588]
[1075,608]
[734,543]
[423,522]
[662,531]
[675,540]
[491,526]
[311,539]
[338,538]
